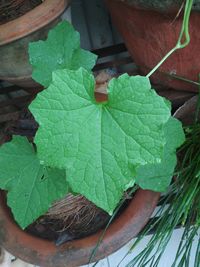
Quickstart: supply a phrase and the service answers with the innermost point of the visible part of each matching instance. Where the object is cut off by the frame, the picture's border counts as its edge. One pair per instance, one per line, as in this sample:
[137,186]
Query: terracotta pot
[187,112]
[16,35]
[149,35]
[75,253]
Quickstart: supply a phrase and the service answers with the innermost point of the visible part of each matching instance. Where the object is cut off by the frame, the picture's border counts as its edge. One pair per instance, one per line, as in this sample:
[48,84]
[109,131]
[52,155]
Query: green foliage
[32,187]
[180,206]
[61,50]
[99,144]
[98,149]
[157,177]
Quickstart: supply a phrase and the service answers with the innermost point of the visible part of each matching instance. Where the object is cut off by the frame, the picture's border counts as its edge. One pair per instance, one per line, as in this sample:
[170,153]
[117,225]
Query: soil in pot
[71,218]
[12,9]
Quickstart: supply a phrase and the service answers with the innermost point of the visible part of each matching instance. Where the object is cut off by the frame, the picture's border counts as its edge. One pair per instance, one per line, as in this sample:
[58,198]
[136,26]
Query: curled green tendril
[184,36]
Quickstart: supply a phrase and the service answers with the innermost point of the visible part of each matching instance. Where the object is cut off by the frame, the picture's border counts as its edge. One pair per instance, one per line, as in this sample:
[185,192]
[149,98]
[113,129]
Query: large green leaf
[99,144]
[157,177]
[31,186]
[61,50]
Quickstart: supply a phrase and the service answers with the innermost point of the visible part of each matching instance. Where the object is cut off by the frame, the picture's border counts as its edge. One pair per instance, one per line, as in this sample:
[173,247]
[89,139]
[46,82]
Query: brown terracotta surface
[186,113]
[26,82]
[149,35]
[75,253]
[35,19]
[15,66]
[16,35]
[170,6]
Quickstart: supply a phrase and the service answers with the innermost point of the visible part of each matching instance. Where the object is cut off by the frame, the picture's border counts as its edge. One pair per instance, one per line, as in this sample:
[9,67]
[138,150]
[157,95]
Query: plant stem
[182,79]
[184,33]
[161,62]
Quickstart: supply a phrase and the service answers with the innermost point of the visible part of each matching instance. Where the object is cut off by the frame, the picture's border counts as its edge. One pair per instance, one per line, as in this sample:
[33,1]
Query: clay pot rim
[32,21]
[171,10]
[35,250]
[186,108]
